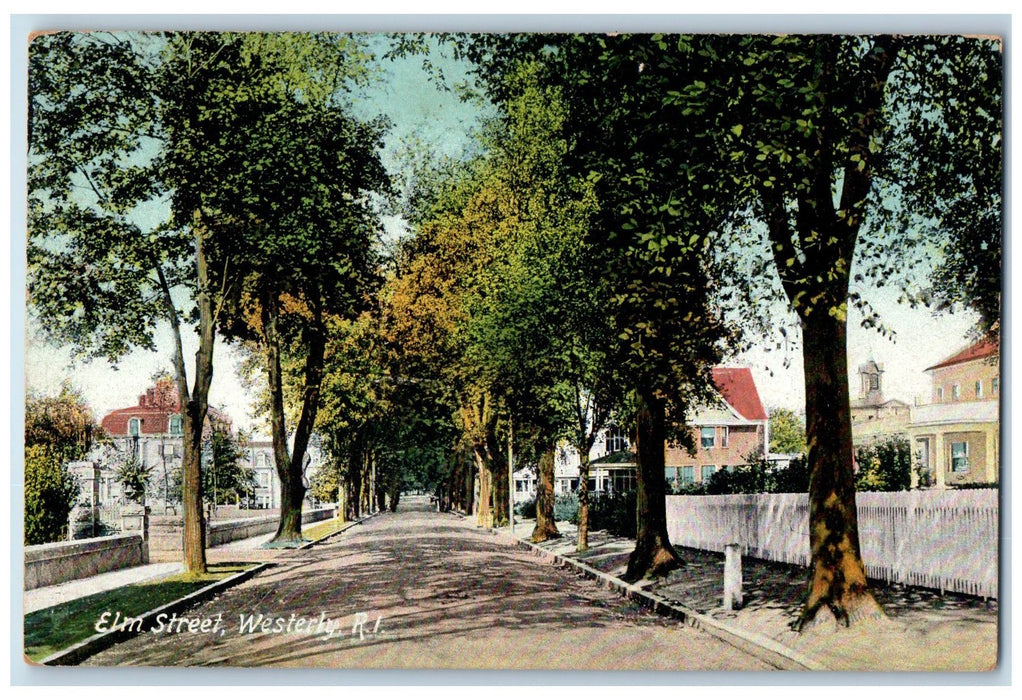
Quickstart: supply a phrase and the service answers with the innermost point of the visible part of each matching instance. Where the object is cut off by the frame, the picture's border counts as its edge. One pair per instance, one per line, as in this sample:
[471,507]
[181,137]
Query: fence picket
[937,539]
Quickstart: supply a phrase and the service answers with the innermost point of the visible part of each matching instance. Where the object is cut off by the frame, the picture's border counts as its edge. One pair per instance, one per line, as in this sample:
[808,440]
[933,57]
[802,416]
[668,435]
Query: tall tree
[294,220]
[104,262]
[820,133]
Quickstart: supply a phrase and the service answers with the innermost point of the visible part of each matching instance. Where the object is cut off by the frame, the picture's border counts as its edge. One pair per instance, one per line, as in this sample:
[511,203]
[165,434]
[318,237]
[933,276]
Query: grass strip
[323,529]
[51,629]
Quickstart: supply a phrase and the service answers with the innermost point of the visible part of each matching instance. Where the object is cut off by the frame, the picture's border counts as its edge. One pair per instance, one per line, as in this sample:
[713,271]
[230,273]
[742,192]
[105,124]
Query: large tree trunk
[583,499]
[546,527]
[291,467]
[653,555]
[500,493]
[837,576]
[292,490]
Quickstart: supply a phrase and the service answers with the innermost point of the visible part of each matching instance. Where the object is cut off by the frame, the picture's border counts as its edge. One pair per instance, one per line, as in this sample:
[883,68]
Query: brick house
[726,435]
[152,431]
[955,438]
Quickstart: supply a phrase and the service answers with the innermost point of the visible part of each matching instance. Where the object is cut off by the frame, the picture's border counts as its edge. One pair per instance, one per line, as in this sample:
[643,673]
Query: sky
[438,118]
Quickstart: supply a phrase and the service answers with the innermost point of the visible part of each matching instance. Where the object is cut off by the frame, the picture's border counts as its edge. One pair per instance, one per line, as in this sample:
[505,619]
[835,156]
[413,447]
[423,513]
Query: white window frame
[178,422]
[979,388]
[707,471]
[724,436]
[954,467]
[702,438]
[956,392]
[137,423]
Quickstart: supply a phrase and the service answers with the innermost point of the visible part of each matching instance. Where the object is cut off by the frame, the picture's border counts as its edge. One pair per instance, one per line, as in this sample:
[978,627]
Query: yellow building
[874,417]
[955,438]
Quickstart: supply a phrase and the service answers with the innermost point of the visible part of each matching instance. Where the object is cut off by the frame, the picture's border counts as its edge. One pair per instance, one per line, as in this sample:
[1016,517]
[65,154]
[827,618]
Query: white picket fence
[946,540]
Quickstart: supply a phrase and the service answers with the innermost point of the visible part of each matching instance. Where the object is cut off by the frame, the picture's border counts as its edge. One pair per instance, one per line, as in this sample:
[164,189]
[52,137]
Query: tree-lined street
[447,595]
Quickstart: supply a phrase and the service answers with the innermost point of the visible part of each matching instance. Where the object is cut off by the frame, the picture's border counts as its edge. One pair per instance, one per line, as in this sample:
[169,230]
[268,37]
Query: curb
[82,650]
[76,653]
[757,645]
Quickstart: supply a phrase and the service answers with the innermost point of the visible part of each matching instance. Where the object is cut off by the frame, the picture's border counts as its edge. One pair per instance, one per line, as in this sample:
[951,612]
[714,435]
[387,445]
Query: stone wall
[57,562]
[165,538]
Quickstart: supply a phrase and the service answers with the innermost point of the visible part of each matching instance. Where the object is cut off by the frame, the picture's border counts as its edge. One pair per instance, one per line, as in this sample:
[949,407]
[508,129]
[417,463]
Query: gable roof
[738,388]
[988,347]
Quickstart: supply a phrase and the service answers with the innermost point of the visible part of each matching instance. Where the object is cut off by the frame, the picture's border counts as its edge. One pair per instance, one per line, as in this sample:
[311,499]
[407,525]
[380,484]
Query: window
[956,392]
[671,474]
[176,425]
[707,438]
[616,440]
[874,382]
[688,475]
[134,427]
[707,472]
[724,436]
[979,389]
[940,393]
[995,384]
[959,456]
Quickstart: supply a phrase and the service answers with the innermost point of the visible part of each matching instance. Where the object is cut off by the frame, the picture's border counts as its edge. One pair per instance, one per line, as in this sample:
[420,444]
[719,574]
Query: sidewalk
[246,550]
[923,630]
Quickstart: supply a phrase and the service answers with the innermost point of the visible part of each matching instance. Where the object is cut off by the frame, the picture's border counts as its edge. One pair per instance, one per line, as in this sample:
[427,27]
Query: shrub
[614,513]
[566,507]
[134,478]
[884,466]
[526,509]
[50,494]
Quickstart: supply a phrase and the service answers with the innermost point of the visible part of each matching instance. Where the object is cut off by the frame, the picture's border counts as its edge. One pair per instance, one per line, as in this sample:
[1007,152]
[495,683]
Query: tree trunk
[496,463]
[292,490]
[484,518]
[583,500]
[195,403]
[546,526]
[653,555]
[837,580]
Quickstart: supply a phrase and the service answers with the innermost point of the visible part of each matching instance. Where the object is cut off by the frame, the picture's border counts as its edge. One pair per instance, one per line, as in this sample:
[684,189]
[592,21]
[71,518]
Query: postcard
[562,350]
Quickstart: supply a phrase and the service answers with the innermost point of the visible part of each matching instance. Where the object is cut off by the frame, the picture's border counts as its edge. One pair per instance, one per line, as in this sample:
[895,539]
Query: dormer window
[134,427]
[176,425]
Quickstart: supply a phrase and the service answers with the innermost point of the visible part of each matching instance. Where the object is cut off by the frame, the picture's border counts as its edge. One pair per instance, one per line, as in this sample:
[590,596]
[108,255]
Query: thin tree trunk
[837,575]
[496,463]
[484,517]
[654,555]
[583,499]
[546,526]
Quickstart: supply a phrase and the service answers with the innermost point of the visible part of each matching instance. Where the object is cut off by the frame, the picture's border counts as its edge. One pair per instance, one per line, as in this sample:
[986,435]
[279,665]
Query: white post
[732,577]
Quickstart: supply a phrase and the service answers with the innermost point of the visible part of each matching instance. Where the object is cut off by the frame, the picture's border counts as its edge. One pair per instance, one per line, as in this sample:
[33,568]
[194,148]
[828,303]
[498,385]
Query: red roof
[988,347]
[154,410]
[738,388]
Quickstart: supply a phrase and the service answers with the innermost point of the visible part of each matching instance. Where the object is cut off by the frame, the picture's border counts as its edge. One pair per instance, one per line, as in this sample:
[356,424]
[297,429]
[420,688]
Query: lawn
[58,627]
[323,529]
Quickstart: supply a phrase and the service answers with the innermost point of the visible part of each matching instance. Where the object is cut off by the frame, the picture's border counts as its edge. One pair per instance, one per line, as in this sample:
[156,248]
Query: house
[875,417]
[726,435]
[731,433]
[955,437]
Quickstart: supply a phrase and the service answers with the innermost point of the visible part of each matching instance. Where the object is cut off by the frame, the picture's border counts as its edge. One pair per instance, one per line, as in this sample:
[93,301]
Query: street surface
[425,590]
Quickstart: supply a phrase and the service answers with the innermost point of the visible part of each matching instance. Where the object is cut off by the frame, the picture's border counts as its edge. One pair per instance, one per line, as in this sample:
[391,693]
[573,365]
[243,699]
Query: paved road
[431,592]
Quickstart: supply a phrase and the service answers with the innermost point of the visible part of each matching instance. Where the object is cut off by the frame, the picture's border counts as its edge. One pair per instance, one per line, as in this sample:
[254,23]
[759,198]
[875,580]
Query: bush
[134,478]
[526,509]
[566,507]
[50,494]
[614,513]
[884,466]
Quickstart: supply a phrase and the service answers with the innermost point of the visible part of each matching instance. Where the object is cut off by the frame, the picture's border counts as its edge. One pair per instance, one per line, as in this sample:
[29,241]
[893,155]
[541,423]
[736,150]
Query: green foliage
[614,513]
[566,507]
[63,423]
[787,432]
[225,478]
[135,479]
[526,509]
[50,494]
[884,466]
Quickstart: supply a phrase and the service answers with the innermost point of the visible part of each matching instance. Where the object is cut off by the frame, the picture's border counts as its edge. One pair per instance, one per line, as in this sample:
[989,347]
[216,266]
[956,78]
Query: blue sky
[438,118]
